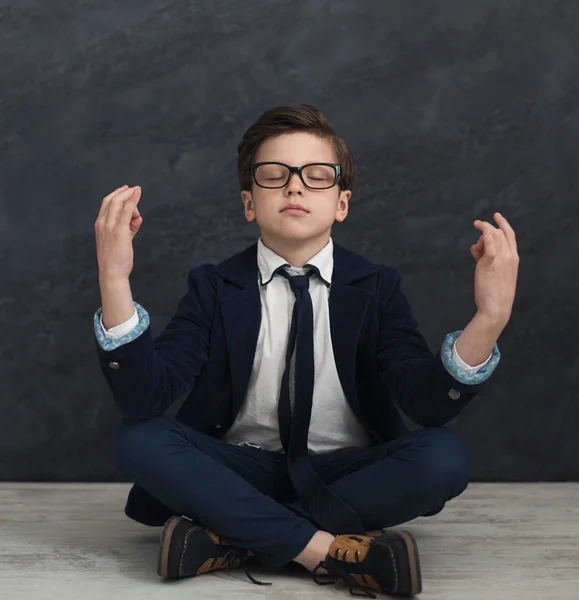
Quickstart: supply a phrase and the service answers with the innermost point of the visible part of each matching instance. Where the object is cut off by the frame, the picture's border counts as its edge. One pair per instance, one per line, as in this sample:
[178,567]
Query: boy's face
[323,207]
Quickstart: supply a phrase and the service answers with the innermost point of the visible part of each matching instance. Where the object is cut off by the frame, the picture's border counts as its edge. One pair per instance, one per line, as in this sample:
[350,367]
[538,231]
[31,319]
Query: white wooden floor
[497,541]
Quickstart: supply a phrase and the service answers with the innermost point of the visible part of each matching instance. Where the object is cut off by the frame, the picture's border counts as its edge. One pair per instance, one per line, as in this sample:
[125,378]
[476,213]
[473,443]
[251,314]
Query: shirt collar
[268,261]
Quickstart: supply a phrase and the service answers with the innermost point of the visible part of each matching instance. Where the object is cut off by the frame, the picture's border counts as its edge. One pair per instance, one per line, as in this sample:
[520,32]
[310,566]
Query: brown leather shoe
[188,549]
[386,563]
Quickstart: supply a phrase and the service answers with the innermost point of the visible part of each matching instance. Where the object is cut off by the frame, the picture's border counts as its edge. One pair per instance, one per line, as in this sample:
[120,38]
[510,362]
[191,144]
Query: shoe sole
[164,545]
[413,562]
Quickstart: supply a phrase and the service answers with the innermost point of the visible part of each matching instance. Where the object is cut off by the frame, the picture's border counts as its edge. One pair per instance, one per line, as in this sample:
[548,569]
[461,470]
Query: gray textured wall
[453,109]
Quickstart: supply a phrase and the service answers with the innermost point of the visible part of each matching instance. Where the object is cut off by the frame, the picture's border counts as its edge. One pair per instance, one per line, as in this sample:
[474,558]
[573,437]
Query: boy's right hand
[117,224]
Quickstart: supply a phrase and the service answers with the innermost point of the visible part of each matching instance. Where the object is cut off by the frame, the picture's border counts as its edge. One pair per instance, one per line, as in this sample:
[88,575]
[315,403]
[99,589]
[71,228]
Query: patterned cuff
[108,344]
[482,373]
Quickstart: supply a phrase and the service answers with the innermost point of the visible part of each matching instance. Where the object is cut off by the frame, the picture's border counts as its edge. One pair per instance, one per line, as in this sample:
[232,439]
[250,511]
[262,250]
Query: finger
[135,200]
[500,242]
[128,216]
[476,252]
[113,208]
[129,208]
[112,194]
[138,198]
[489,230]
[490,244]
[107,199]
[135,225]
[111,198]
[116,205]
[482,225]
[508,231]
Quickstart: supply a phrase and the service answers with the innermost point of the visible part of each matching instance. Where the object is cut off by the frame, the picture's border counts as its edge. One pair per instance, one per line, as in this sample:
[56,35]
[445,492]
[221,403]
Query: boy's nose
[295,185]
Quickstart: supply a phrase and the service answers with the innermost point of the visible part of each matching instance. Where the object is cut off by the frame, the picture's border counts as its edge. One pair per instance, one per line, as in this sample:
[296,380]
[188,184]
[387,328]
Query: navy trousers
[243,493]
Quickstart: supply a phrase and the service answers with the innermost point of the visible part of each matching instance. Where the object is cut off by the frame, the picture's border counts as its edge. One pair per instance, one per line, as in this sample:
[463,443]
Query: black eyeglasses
[316,176]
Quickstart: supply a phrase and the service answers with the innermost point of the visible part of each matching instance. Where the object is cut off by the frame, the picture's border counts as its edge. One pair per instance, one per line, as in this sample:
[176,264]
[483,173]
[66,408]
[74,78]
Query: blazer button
[454,394]
[114,365]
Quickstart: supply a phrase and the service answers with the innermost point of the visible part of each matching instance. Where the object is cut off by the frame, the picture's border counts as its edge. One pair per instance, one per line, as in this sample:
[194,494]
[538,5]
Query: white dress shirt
[333,424]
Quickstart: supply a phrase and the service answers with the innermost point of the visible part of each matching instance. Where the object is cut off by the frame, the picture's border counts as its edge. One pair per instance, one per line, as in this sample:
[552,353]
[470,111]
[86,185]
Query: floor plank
[497,541]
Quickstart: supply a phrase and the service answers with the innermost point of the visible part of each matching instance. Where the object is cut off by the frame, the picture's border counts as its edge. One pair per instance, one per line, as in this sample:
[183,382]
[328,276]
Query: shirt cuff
[121,334]
[460,370]
[114,333]
[465,366]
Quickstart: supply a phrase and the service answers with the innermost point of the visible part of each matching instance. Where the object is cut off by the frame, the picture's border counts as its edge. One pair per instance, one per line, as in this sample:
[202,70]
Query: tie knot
[296,282]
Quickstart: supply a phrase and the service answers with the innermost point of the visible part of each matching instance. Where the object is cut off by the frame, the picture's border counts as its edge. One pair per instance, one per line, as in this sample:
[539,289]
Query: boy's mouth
[294,208]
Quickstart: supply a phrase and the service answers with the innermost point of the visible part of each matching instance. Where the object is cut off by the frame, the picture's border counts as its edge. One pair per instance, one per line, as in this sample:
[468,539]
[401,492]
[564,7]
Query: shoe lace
[234,557]
[337,571]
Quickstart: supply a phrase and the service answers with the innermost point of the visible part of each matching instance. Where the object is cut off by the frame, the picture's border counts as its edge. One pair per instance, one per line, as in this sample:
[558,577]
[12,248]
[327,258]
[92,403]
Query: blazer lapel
[347,306]
[241,312]
[240,306]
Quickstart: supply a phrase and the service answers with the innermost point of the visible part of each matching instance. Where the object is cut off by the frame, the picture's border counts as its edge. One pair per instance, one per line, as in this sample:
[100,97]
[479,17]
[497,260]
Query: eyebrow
[307,162]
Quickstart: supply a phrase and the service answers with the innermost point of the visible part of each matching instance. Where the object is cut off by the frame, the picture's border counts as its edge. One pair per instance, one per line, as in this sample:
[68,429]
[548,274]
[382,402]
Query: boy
[295,354]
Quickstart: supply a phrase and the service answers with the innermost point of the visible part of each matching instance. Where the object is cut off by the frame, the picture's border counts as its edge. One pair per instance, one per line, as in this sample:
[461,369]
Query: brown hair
[287,119]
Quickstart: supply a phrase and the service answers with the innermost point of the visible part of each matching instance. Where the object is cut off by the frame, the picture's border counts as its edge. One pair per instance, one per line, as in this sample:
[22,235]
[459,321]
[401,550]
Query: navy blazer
[206,351]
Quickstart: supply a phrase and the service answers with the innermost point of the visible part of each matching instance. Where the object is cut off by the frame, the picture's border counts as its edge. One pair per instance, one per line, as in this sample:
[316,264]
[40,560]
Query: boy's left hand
[495,278]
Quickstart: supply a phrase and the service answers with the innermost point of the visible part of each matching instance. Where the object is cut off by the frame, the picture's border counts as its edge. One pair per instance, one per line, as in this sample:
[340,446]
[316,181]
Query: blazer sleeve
[146,376]
[421,385]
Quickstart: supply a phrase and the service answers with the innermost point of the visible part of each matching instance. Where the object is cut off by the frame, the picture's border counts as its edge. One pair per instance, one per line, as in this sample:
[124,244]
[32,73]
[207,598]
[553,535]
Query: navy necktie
[325,508]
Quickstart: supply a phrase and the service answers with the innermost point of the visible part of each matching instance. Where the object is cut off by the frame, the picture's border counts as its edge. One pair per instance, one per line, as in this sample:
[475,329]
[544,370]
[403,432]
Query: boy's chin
[294,231]
[296,237]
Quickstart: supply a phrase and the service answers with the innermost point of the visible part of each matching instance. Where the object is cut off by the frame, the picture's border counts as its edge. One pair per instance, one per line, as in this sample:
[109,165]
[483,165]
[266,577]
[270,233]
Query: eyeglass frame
[337,171]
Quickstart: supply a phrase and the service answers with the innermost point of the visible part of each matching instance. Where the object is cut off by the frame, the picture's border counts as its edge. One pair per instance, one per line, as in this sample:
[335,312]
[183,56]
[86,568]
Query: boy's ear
[343,204]
[247,200]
